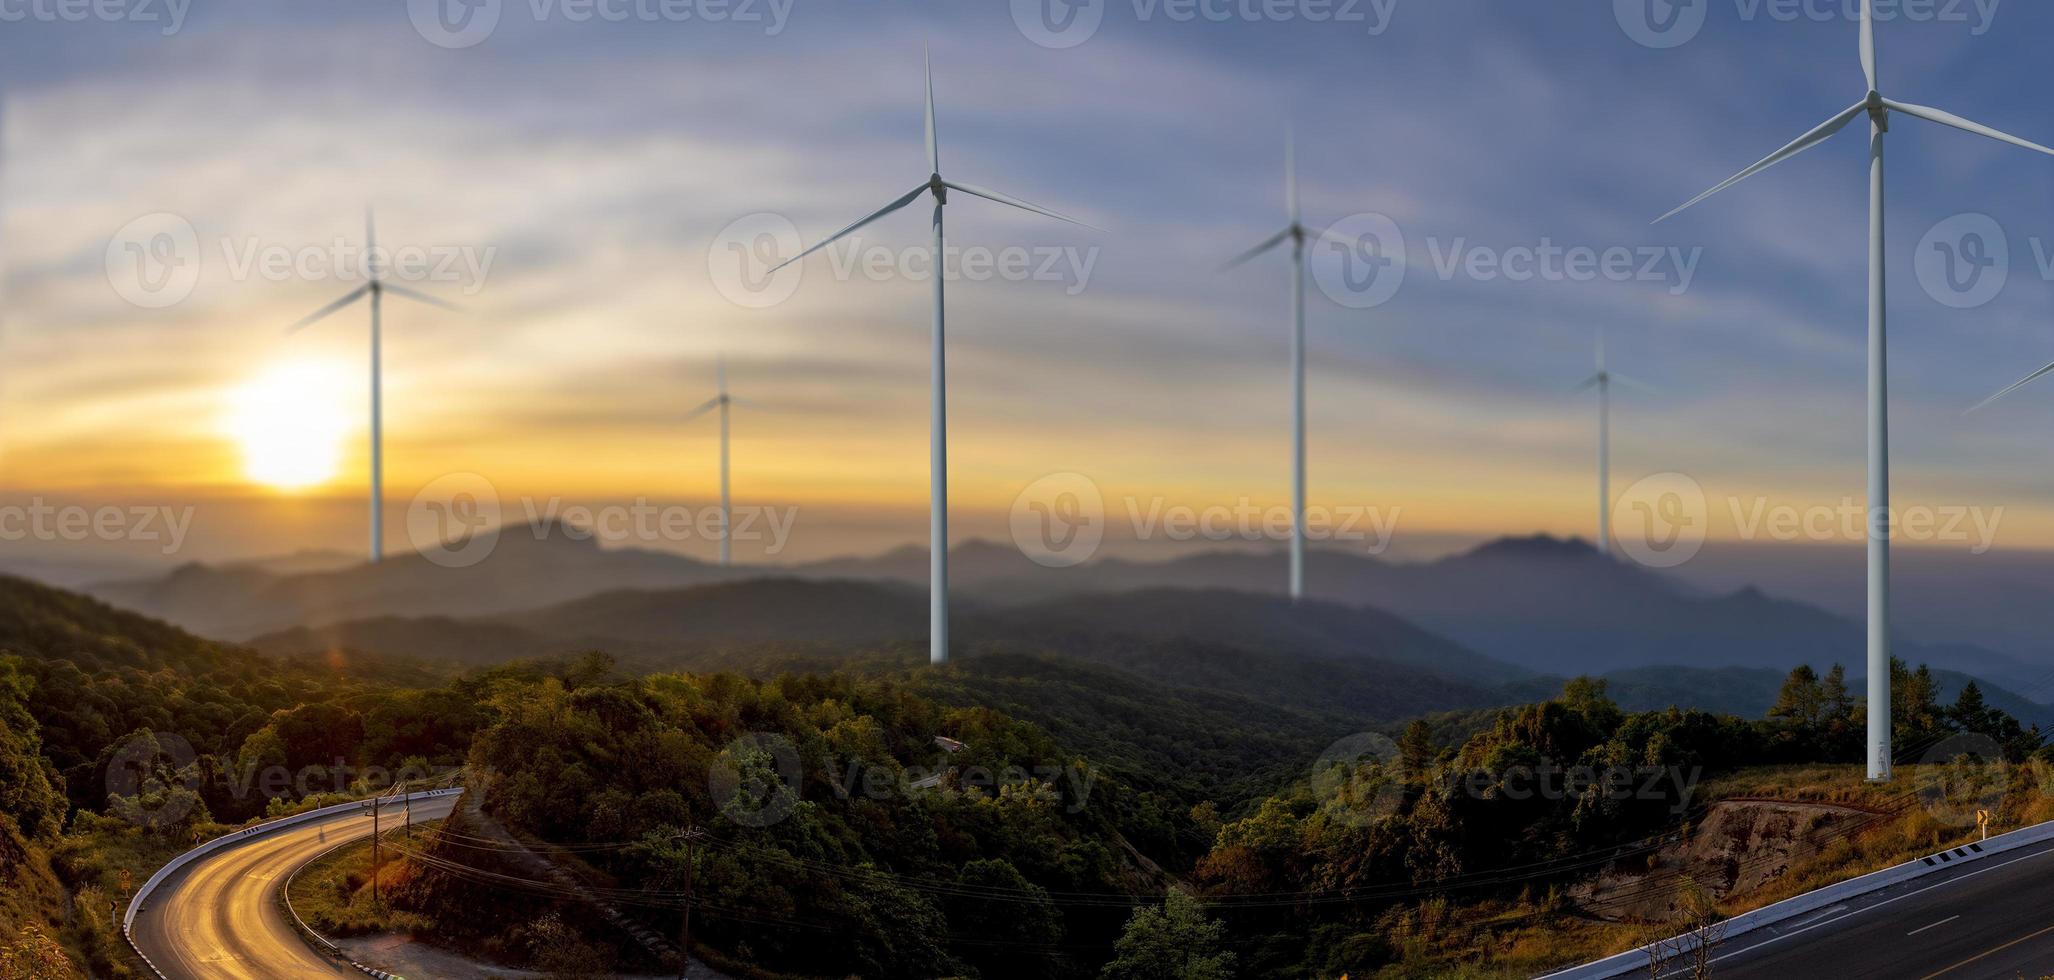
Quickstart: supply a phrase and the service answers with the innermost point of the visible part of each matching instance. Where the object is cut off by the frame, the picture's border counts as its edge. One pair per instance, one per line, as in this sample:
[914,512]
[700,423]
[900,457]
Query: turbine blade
[709,405]
[1633,383]
[2028,379]
[420,297]
[1931,114]
[991,195]
[370,241]
[1291,172]
[1825,131]
[1268,243]
[720,372]
[1868,42]
[933,144]
[904,200]
[1590,382]
[311,318]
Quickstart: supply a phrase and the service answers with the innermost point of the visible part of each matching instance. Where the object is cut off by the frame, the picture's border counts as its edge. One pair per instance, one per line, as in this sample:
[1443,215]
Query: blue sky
[600,162]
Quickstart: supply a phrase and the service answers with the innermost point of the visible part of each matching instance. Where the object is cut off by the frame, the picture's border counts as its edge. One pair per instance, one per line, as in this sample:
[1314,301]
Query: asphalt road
[219,917]
[1992,917]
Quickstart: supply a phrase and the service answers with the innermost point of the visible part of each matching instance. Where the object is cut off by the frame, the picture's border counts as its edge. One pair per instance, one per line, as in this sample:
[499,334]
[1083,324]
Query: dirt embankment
[1739,846]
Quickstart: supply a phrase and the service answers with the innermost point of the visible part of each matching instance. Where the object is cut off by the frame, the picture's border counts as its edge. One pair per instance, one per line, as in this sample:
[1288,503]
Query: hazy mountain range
[1541,605]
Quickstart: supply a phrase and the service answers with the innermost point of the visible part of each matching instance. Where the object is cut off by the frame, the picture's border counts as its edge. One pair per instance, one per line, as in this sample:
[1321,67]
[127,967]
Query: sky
[600,188]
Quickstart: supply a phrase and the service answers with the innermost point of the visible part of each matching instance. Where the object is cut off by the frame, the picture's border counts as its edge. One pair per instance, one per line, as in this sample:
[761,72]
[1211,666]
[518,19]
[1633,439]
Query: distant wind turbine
[1878,109]
[938,464]
[724,402]
[1603,381]
[376,289]
[1297,234]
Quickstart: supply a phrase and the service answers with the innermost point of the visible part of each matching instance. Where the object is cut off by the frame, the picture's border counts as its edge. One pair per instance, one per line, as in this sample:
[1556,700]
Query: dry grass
[1925,810]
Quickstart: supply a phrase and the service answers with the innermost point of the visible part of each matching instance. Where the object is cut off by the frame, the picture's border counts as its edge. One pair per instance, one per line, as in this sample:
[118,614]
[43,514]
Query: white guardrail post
[135,904]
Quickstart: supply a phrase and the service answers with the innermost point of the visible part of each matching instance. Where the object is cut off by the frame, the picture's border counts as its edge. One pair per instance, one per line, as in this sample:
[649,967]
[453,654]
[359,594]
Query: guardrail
[135,904]
[1636,959]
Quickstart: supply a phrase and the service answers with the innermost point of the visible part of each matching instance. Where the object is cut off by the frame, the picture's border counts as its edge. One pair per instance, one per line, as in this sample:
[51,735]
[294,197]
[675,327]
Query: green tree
[1836,706]
[1416,749]
[1173,941]
[1801,703]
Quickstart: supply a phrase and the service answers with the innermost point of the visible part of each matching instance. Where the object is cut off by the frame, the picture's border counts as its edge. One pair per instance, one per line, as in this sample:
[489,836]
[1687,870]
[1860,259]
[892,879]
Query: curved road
[1991,919]
[219,916]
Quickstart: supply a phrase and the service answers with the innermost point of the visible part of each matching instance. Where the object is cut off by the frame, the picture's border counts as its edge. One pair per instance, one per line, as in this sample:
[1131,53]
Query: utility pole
[374,851]
[691,838]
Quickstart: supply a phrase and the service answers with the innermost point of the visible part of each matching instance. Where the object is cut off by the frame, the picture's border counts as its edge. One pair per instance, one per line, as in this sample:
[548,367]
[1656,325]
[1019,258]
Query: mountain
[529,566]
[1547,605]
[1315,656]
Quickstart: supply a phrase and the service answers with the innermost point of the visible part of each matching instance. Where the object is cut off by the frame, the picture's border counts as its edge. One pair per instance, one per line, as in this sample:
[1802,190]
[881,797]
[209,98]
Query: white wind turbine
[938,461]
[723,401]
[375,288]
[1297,234]
[1878,110]
[1603,381]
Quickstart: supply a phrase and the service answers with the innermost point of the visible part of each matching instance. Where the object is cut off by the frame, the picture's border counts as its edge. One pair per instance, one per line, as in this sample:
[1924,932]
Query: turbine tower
[938,460]
[1297,234]
[1878,110]
[1603,381]
[723,401]
[375,288]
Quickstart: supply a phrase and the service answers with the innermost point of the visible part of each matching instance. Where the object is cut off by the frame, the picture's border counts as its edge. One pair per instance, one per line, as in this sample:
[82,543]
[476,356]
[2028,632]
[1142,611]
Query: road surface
[1992,917]
[218,918]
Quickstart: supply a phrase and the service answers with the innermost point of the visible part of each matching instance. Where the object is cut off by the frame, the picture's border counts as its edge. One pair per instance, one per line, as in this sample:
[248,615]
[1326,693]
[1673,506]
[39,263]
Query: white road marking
[1935,925]
[1869,908]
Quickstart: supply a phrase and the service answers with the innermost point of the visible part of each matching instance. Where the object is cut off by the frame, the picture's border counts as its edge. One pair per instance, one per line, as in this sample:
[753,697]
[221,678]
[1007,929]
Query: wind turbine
[1603,381]
[375,288]
[1878,109]
[1297,234]
[722,401]
[938,460]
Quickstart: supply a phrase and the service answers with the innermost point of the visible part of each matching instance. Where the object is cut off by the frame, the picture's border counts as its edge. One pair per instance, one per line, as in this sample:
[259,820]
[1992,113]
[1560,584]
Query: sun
[290,422]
